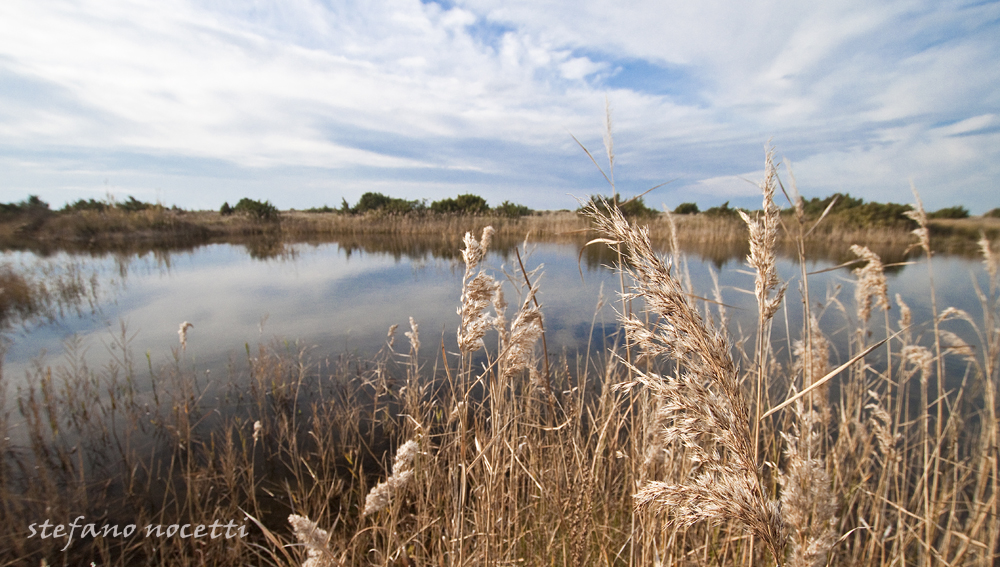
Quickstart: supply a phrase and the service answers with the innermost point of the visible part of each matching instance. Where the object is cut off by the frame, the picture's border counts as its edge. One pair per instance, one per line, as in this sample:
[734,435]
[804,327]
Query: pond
[337,296]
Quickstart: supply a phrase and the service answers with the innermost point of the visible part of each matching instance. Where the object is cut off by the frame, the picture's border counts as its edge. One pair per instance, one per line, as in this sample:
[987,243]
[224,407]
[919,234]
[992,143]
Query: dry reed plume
[703,408]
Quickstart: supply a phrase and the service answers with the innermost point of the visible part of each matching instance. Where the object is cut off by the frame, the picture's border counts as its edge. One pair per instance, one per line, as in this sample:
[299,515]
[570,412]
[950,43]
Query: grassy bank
[670,444]
[713,236]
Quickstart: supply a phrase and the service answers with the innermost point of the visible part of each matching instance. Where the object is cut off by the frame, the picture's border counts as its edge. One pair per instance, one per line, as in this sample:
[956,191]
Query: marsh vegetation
[668,441]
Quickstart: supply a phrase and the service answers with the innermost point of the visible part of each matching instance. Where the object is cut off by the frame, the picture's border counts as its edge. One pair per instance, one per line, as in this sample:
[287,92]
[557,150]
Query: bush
[31,206]
[630,208]
[508,209]
[467,204]
[384,203]
[687,209]
[225,210]
[134,205]
[958,212]
[992,213]
[815,206]
[722,210]
[32,213]
[323,209]
[88,205]
[256,209]
[856,212]
[878,214]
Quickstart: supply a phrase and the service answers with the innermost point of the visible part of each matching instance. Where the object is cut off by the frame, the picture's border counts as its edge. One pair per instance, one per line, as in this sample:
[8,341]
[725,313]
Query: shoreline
[158,229]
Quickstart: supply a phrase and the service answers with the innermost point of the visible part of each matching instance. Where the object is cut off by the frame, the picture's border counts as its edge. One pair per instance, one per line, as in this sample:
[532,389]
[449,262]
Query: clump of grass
[704,407]
[808,505]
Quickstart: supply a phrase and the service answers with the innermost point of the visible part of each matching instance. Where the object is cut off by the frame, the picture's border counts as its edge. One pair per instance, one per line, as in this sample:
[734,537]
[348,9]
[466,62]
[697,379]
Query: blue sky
[307,102]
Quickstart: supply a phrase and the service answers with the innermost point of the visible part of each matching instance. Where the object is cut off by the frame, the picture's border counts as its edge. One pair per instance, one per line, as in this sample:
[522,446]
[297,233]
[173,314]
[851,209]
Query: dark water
[342,297]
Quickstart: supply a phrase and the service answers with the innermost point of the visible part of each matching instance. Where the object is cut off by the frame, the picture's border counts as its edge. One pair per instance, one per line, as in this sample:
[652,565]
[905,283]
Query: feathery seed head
[316,542]
[905,319]
[378,498]
[920,217]
[808,506]
[871,283]
[763,236]
[477,293]
[404,456]
[921,358]
[704,409]
[182,332]
[476,297]
[818,355]
[414,335]
[991,259]
[402,472]
[475,250]
[525,330]
[880,424]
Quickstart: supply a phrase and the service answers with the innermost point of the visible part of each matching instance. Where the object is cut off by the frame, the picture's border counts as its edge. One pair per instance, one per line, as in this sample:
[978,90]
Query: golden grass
[161,228]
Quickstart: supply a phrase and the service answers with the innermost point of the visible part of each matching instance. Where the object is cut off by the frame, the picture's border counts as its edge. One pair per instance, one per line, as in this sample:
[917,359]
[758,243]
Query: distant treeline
[845,208]
[35,206]
[842,206]
[467,204]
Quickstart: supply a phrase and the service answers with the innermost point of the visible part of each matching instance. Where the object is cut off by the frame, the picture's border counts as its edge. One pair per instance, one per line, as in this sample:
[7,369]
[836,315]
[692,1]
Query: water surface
[337,297]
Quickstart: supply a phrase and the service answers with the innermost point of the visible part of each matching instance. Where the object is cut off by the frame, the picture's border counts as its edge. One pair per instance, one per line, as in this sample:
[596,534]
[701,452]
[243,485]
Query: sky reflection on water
[338,299]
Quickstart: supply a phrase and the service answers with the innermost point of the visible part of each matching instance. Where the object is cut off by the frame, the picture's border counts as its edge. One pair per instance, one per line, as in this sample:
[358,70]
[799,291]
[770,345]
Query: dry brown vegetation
[158,227]
[672,445]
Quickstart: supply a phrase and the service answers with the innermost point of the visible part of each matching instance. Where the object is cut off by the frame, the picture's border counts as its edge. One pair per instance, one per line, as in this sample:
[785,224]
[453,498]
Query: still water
[334,298]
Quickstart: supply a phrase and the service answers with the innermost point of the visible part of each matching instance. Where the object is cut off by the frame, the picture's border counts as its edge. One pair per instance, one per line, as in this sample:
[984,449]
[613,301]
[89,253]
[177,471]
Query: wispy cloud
[304,102]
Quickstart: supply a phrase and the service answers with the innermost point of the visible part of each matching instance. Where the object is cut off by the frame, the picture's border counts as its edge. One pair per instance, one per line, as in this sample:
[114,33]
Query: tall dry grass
[481,448]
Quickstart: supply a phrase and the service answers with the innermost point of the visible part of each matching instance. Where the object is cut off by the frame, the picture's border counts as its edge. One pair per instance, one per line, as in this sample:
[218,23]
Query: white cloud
[716,189]
[490,88]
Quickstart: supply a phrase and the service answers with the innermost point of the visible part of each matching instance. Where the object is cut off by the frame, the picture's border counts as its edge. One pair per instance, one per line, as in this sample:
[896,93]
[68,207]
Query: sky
[309,102]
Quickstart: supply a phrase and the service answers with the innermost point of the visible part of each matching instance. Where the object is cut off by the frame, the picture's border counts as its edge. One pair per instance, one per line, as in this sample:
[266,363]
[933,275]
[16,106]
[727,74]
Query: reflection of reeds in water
[45,290]
[479,449]
[717,238]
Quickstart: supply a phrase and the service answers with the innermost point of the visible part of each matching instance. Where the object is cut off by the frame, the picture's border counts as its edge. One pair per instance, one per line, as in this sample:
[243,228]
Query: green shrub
[370,202]
[880,214]
[323,209]
[722,210]
[687,209]
[992,213]
[88,205]
[630,208]
[957,212]
[33,206]
[225,210]
[256,209]
[32,212]
[467,204]
[512,210]
[815,206]
[854,211]
[133,205]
